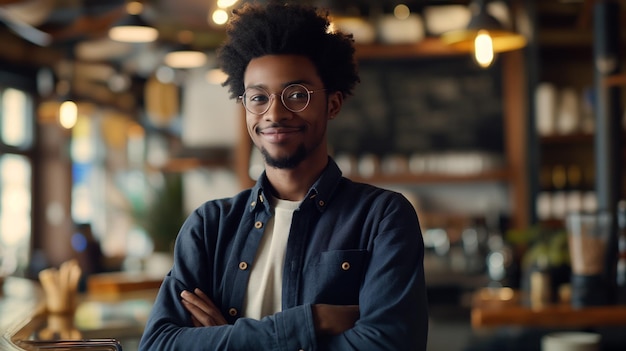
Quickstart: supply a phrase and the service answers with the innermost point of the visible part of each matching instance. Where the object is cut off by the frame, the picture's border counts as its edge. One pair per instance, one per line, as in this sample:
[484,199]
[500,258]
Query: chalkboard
[421,105]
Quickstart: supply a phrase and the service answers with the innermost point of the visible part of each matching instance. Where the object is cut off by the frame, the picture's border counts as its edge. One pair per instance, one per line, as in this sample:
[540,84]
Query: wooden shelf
[409,178]
[575,138]
[615,80]
[186,159]
[567,139]
[428,47]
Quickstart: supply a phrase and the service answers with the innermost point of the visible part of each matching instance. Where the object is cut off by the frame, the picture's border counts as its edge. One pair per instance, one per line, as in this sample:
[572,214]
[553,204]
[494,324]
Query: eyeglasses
[295,98]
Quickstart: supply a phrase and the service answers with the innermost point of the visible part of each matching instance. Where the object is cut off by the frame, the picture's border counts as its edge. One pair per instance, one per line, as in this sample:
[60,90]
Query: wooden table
[121,282]
[507,307]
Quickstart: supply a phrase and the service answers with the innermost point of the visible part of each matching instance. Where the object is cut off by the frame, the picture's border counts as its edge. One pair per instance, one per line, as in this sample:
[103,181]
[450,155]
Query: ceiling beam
[9,2]
[16,50]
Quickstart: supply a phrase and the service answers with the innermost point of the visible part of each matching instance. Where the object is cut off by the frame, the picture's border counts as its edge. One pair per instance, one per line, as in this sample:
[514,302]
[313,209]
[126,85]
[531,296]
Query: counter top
[506,307]
[20,301]
[100,321]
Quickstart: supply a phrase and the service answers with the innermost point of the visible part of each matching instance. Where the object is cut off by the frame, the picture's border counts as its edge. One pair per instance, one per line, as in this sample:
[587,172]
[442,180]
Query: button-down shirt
[350,244]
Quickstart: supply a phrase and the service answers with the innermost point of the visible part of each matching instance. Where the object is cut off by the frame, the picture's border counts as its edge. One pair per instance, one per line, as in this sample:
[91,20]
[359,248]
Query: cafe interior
[502,121]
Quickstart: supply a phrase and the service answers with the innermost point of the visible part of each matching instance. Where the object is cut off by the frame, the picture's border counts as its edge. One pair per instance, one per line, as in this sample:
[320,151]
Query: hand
[203,311]
[334,319]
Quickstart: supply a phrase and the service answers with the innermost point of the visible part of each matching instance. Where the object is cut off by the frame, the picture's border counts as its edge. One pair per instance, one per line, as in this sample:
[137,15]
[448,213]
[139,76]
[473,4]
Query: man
[306,259]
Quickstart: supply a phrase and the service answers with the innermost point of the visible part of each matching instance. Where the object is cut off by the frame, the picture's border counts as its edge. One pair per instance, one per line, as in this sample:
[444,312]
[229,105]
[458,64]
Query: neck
[293,184]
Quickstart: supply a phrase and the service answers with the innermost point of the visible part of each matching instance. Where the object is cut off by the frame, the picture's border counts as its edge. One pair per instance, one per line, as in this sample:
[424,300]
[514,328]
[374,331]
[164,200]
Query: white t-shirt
[264,295]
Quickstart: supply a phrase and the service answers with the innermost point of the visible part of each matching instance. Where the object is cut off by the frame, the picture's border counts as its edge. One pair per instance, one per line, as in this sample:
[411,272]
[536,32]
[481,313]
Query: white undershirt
[264,295]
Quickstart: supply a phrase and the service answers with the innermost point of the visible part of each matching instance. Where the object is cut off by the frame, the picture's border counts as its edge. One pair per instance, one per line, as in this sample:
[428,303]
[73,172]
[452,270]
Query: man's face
[287,138]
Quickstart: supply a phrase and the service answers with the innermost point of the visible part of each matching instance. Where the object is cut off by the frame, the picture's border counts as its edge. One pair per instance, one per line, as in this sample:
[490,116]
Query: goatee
[288,162]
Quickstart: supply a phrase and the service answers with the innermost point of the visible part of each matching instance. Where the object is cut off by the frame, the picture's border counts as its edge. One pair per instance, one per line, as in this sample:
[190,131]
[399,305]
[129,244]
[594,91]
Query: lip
[279,134]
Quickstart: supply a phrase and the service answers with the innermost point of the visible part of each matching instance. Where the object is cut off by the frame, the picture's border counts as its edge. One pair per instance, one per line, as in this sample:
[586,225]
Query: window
[16,139]
[15,212]
[16,128]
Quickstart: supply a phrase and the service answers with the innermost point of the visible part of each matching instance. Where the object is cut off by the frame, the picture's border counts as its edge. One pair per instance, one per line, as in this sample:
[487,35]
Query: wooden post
[606,62]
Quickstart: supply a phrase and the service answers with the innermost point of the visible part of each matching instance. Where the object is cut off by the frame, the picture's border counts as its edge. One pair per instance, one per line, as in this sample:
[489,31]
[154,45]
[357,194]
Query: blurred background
[110,135]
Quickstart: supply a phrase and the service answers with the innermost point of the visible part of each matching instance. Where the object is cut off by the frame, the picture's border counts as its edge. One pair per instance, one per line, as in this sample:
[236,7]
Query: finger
[213,318]
[198,317]
[195,300]
[216,315]
[203,297]
[196,322]
[205,305]
[193,309]
[219,319]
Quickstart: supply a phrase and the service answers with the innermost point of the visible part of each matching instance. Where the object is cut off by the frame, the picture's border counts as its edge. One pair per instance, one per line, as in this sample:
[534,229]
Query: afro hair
[287,29]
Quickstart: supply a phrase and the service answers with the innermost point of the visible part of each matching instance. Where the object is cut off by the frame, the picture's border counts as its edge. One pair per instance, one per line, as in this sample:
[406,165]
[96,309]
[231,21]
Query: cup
[571,341]
[588,236]
[60,287]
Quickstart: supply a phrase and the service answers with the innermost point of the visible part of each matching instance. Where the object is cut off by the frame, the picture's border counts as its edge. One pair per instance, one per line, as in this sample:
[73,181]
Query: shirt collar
[320,193]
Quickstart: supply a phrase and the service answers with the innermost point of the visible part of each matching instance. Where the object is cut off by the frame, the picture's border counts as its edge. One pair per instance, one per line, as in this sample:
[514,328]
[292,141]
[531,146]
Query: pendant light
[68,108]
[484,36]
[67,112]
[132,28]
[183,55]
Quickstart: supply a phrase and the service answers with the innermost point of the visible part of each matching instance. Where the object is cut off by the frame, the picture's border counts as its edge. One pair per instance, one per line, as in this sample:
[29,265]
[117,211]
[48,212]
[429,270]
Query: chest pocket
[337,277]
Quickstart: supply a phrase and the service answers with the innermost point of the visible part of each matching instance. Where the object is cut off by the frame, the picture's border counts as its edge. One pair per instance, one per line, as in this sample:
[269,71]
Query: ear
[335,101]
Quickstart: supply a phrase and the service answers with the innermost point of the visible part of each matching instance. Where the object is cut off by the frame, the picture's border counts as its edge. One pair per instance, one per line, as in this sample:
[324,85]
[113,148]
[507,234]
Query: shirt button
[232,311]
[253,204]
[321,203]
[258,225]
[261,198]
[345,266]
[243,266]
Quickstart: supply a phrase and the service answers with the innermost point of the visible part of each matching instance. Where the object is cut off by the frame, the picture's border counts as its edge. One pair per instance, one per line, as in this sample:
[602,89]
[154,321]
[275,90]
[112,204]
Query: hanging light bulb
[68,114]
[219,17]
[132,28]
[484,36]
[184,56]
[483,49]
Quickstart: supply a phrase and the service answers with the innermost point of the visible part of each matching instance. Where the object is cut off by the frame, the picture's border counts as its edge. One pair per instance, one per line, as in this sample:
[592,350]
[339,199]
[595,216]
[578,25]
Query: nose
[276,110]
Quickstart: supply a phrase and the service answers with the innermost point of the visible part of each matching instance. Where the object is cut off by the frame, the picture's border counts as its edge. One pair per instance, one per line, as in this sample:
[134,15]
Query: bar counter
[100,321]
[20,301]
[506,307]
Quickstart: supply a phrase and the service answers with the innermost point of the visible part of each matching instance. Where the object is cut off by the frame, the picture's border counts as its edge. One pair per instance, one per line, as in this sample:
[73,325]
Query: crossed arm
[327,319]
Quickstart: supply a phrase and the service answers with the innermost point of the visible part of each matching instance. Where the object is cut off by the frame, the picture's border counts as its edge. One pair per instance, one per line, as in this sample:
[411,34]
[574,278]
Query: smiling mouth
[279,135]
[279,130]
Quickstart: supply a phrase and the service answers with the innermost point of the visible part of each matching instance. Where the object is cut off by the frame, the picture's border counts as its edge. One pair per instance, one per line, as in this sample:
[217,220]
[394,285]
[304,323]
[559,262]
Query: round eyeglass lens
[295,97]
[256,100]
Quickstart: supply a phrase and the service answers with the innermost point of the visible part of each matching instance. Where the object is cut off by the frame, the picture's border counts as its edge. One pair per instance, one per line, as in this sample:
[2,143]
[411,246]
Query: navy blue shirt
[349,244]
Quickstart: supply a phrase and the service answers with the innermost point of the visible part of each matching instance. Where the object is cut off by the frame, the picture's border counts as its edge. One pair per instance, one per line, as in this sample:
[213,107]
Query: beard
[287,162]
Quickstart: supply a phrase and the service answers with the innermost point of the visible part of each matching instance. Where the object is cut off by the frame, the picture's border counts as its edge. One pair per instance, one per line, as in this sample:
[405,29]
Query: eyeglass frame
[282,99]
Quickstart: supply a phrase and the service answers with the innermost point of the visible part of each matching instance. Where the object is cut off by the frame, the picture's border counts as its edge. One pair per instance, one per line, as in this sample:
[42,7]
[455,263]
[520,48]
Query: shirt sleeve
[167,330]
[392,302]
[169,325]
